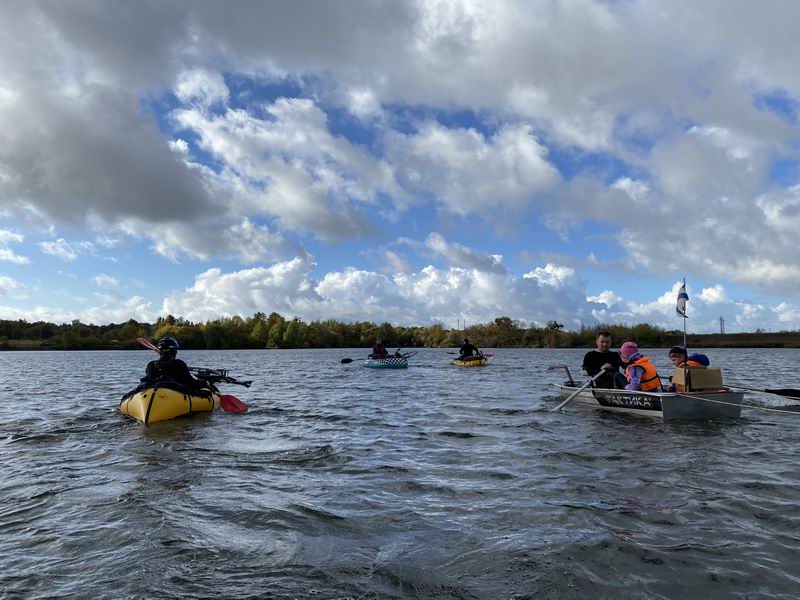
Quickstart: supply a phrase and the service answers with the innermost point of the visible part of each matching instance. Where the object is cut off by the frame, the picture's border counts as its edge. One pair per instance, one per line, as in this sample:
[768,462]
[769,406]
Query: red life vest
[649,381]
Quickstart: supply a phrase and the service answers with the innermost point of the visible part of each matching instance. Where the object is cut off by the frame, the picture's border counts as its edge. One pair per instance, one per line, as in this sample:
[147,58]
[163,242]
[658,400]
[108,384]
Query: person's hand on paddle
[606,367]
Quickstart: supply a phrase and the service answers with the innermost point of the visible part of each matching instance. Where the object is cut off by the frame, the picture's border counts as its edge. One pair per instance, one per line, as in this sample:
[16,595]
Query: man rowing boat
[603,358]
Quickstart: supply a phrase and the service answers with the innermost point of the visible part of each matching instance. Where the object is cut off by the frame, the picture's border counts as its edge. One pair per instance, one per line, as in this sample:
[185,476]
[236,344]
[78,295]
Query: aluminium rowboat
[722,403]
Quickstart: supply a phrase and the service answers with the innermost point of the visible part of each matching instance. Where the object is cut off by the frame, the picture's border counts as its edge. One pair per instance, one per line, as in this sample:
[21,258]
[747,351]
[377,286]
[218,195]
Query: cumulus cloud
[8,237]
[468,173]
[202,86]
[288,165]
[657,120]
[9,285]
[476,293]
[60,248]
[106,281]
[459,255]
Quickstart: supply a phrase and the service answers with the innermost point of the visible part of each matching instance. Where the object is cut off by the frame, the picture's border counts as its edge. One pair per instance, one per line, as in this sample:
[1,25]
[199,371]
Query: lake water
[433,482]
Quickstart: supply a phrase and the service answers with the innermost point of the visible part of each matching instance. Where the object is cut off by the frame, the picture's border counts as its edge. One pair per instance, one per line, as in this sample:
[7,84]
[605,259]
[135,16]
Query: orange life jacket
[649,381]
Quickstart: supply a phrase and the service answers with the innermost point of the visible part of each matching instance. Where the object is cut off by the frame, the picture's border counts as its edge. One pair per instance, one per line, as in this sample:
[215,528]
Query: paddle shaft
[786,392]
[578,391]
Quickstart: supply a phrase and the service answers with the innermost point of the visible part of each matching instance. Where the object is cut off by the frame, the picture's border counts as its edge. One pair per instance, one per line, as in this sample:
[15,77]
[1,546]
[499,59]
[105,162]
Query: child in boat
[640,372]
[677,356]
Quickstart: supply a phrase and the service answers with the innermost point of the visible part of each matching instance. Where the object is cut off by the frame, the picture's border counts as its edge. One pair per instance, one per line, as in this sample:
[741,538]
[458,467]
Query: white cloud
[106,281]
[289,166]
[713,295]
[552,275]
[8,285]
[8,237]
[395,263]
[662,115]
[60,248]
[201,86]
[468,173]
[459,255]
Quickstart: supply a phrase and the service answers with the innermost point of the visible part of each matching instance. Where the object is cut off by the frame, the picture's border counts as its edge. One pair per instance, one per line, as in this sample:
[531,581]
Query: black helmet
[168,345]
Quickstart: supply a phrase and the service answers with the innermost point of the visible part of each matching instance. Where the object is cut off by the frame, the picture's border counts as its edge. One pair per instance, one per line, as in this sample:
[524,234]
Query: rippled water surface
[432,482]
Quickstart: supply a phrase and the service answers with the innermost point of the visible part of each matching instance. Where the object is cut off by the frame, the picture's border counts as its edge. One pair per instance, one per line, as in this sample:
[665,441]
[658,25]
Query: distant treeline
[275,331]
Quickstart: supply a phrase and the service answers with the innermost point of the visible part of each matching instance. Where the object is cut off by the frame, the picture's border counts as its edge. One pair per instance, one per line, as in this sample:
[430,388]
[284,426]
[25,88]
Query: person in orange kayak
[169,368]
[640,372]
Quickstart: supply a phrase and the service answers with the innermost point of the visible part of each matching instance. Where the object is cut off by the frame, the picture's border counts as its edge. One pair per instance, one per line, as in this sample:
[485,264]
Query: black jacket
[172,370]
[469,350]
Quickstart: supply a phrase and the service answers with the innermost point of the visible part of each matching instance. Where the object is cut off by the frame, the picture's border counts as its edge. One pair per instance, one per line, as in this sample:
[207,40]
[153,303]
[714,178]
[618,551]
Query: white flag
[680,307]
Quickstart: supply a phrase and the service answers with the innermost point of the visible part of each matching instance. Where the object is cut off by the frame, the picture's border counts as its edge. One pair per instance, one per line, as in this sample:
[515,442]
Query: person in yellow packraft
[168,368]
[468,351]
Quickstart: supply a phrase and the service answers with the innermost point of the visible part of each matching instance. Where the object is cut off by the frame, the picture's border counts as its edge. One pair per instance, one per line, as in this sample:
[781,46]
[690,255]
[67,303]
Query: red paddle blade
[147,343]
[232,404]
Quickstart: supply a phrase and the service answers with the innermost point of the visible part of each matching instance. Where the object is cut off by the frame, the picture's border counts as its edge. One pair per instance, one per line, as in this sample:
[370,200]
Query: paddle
[566,368]
[786,392]
[232,404]
[228,402]
[147,343]
[578,391]
[484,354]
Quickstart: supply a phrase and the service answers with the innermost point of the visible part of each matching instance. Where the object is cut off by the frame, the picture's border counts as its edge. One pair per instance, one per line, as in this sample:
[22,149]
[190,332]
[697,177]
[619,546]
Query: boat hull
[390,362]
[474,362]
[708,404]
[153,404]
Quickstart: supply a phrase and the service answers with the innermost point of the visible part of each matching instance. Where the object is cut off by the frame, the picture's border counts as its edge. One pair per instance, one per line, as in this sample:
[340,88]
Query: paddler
[378,350]
[169,368]
[602,358]
[468,350]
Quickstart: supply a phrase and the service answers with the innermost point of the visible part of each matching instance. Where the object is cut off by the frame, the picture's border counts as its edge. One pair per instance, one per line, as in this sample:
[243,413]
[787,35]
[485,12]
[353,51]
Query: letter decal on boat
[637,401]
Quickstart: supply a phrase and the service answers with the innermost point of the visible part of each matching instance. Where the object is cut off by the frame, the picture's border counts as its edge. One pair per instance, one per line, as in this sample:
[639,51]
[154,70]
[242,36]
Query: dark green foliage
[274,331]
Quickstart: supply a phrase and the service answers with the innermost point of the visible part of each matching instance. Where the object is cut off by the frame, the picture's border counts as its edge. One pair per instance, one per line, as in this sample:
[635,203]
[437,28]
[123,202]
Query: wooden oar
[485,354]
[228,402]
[578,391]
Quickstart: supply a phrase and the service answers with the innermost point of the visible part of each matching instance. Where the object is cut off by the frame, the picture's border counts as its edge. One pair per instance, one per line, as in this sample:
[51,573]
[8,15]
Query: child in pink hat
[640,371]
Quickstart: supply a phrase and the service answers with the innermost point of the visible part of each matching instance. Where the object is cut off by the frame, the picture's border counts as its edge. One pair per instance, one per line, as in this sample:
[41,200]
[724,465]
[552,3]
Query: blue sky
[410,162]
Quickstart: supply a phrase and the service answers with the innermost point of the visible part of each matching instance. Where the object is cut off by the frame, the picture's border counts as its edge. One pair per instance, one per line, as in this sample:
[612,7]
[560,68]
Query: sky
[416,162]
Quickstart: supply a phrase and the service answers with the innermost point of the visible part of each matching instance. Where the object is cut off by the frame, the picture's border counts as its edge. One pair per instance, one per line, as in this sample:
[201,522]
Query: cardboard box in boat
[699,378]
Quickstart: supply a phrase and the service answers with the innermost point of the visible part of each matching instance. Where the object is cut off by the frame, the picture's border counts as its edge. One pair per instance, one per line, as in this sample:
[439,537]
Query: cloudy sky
[403,161]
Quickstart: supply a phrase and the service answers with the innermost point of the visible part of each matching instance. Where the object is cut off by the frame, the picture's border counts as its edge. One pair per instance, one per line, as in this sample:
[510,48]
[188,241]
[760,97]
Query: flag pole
[685,347]
[684,322]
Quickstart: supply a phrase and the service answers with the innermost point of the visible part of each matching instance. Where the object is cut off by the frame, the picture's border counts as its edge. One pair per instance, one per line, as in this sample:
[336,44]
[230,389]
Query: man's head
[466,340]
[603,341]
[168,346]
